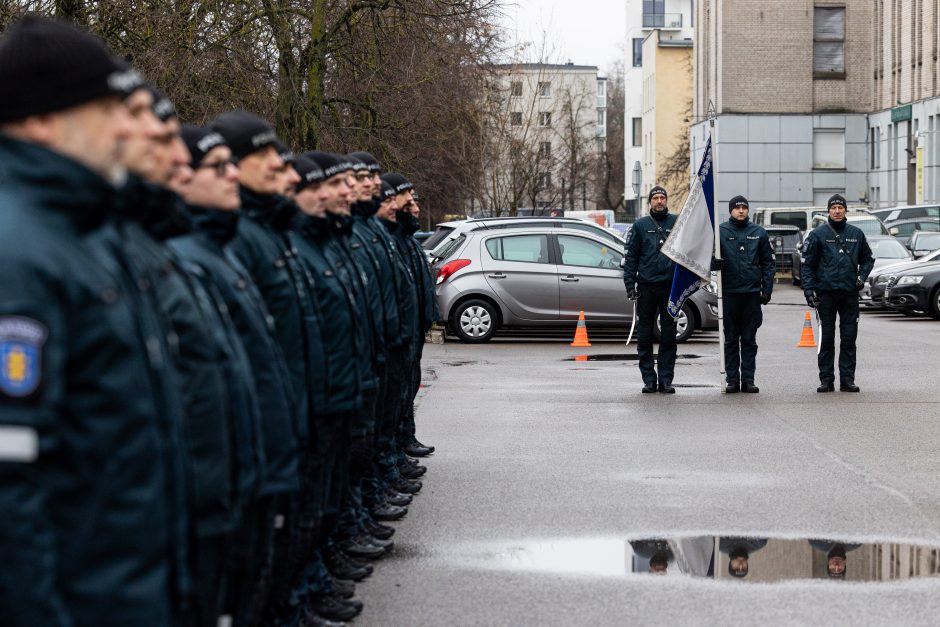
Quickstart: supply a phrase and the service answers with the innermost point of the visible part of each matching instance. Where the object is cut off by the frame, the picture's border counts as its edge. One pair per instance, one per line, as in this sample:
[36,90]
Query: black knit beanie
[836,199]
[48,65]
[310,172]
[367,159]
[331,164]
[358,165]
[657,190]
[245,133]
[398,182]
[200,141]
[737,201]
[162,106]
[387,191]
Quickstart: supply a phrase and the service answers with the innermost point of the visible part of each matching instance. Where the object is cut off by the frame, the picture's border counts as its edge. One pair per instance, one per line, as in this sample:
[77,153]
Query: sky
[587,32]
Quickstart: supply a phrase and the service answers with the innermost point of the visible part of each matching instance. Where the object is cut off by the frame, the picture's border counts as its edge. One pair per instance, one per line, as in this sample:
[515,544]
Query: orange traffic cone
[580,334]
[807,340]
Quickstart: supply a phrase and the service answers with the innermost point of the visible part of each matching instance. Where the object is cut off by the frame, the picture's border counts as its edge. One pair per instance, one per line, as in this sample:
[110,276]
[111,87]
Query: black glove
[632,293]
[764,299]
[717,265]
[811,299]
[859,284]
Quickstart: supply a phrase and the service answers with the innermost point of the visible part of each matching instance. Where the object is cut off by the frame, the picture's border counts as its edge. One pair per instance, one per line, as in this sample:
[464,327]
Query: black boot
[388,512]
[407,486]
[848,386]
[344,587]
[332,608]
[380,531]
[666,388]
[733,388]
[650,388]
[342,566]
[826,387]
[748,387]
[398,499]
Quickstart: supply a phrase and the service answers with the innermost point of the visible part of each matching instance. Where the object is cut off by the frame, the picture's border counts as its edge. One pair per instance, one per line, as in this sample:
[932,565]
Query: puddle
[620,357]
[712,557]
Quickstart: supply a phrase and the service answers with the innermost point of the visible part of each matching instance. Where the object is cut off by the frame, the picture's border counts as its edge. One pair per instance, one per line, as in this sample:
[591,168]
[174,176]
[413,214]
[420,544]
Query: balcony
[663,21]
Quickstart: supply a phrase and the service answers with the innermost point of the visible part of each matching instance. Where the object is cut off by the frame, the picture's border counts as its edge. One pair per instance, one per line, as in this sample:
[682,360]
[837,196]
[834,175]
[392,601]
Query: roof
[547,66]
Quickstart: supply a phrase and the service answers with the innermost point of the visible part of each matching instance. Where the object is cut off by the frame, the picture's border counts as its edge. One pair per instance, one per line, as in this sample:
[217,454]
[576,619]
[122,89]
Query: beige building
[819,97]
[545,127]
[667,102]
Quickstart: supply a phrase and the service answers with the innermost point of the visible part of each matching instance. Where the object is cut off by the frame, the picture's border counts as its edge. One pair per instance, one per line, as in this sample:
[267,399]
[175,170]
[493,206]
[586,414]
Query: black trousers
[652,302]
[742,317]
[845,306]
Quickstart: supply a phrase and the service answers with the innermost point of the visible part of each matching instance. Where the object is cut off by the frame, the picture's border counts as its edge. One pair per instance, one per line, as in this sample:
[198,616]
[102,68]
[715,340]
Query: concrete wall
[769,158]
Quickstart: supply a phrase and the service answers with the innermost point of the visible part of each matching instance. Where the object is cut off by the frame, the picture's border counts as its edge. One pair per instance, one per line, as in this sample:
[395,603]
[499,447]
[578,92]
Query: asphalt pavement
[546,468]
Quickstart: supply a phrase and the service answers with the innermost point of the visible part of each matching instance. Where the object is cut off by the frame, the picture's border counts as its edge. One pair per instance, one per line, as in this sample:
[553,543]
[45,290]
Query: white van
[800,217]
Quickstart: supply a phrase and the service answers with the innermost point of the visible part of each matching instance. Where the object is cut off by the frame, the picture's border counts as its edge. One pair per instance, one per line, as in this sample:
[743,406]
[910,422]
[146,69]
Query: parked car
[887,251]
[800,217]
[542,276]
[454,229]
[915,290]
[878,279]
[923,242]
[907,212]
[903,229]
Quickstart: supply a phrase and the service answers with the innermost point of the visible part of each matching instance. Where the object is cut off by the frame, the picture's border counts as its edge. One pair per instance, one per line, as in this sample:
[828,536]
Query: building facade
[545,127]
[673,20]
[667,103]
[818,97]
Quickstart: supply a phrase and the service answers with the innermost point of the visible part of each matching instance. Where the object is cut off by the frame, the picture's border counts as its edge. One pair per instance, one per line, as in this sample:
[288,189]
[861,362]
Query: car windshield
[888,249]
[927,241]
[870,227]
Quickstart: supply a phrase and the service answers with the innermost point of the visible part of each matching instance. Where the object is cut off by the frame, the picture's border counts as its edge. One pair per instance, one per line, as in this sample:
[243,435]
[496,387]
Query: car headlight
[910,280]
[881,280]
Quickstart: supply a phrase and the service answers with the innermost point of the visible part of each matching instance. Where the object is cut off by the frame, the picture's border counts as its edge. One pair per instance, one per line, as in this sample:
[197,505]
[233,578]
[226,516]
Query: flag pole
[712,115]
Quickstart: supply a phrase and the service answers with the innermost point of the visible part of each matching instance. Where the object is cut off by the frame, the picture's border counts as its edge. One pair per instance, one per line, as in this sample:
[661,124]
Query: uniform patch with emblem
[21,342]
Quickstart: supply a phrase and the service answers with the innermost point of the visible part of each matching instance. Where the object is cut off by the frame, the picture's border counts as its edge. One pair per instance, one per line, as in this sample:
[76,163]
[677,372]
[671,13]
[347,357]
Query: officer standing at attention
[747,280]
[647,274]
[90,468]
[836,263]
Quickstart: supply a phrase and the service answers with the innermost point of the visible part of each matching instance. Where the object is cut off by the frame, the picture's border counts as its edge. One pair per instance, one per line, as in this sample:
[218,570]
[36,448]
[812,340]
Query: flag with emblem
[692,240]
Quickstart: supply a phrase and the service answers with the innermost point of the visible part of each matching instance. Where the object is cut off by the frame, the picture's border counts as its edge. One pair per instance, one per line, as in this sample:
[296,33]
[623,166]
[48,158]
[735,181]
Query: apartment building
[666,97]
[673,21]
[546,125]
[817,97]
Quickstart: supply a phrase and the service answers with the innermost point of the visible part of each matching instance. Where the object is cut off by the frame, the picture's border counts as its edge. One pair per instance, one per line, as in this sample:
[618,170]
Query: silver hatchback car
[542,277]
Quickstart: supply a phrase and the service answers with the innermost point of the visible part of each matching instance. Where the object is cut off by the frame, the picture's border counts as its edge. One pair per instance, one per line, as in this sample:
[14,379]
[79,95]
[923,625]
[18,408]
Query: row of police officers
[209,353]
[836,263]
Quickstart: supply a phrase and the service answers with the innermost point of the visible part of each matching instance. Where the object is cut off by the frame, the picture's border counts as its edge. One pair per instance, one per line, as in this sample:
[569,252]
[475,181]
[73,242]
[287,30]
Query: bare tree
[613,165]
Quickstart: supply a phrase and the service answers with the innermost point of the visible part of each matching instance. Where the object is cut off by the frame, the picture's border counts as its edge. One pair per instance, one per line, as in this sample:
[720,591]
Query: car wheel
[685,325]
[934,310]
[475,321]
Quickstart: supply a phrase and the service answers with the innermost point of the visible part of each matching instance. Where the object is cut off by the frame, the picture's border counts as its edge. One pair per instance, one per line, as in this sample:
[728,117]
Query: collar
[408,224]
[157,209]
[219,225]
[659,216]
[273,209]
[313,227]
[838,226]
[739,223]
[59,184]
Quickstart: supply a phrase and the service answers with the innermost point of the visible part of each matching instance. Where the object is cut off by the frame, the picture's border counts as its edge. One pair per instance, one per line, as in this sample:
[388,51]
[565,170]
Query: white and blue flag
[692,241]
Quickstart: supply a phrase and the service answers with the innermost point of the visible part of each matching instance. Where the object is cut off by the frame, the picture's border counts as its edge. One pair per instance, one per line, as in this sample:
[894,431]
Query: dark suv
[915,289]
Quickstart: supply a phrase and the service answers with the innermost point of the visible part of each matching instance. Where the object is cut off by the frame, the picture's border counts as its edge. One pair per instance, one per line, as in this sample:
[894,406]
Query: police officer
[836,263]
[90,474]
[647,274]
[747,275]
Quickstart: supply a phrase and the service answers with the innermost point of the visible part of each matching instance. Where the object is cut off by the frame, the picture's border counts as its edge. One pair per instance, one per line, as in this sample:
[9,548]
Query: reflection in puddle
[725,557]
[620,357]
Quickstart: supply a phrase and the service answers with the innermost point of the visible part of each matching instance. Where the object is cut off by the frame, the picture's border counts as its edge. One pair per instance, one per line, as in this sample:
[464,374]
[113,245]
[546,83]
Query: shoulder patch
[21,342]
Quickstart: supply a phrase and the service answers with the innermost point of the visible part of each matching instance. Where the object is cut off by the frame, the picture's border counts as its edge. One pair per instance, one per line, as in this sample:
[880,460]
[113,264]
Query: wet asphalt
[545,468]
